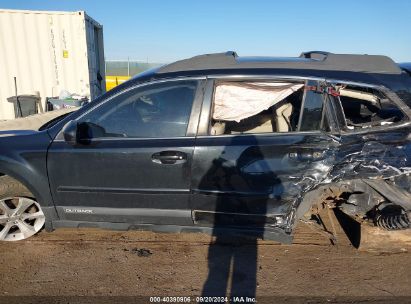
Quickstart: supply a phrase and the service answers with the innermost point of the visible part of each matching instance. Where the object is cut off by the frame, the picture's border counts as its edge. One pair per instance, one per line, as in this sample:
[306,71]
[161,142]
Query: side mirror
[82,133]
[70,132]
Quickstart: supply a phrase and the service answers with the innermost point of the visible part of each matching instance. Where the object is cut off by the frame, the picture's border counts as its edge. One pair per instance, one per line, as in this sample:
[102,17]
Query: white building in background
[49,52]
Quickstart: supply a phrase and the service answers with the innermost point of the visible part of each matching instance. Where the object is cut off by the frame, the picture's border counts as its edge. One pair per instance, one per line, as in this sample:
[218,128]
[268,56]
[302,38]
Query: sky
[164,31]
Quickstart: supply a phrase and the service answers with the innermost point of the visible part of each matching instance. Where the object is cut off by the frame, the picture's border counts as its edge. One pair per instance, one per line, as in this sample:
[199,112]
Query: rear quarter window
[366,108]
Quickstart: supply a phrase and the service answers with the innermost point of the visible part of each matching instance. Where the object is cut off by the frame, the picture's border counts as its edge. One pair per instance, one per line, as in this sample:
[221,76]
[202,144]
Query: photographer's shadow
[237,254]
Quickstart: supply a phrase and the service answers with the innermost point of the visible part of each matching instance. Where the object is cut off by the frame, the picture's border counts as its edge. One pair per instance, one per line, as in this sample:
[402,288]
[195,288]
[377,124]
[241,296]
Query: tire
[20,215]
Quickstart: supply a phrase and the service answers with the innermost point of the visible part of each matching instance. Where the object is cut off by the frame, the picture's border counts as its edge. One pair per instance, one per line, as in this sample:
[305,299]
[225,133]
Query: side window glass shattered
[367,107]
[246,107]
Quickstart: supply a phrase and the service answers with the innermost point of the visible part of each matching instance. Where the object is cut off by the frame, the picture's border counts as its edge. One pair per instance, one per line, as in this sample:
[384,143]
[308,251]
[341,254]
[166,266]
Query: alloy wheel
[20,218]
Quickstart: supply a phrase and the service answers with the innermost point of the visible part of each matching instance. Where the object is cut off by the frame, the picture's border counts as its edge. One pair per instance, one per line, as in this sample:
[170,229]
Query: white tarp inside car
[234,101]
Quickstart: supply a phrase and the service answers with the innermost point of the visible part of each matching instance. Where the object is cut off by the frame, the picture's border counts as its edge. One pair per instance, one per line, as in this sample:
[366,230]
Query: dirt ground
[92,262]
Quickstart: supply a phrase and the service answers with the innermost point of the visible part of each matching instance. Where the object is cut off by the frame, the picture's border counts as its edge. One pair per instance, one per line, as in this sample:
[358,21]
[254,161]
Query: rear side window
[158,110]
[367,108]
[265,107]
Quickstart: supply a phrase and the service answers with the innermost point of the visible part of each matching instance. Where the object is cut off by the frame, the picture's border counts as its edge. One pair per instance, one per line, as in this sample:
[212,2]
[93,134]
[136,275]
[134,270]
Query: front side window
[157,110]
[242,107]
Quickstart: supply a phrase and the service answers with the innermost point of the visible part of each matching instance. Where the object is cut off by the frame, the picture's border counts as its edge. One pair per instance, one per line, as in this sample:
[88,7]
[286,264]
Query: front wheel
[20,216]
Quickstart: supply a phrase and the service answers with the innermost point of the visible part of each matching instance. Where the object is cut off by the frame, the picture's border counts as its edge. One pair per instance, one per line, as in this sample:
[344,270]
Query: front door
[137,167]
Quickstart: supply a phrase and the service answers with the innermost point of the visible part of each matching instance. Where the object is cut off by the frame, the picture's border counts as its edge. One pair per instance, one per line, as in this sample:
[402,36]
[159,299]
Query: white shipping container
[48,52]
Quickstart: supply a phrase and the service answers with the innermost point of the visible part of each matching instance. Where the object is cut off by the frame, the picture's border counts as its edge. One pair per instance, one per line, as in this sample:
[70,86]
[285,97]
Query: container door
[95,59]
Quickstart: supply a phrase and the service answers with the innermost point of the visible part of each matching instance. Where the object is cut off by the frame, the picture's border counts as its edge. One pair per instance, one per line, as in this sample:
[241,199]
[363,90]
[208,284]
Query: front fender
[23,157]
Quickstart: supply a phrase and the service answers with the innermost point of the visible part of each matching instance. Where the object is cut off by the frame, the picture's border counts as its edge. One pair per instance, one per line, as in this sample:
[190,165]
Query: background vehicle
[221,143]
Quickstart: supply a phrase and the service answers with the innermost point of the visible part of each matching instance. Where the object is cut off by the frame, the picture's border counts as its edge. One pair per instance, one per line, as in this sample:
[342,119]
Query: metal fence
[128,67]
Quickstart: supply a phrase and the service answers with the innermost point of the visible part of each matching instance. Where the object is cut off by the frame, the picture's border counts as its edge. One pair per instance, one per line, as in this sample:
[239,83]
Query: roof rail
[201,62]
[314,60]
[319,55]
[228,53]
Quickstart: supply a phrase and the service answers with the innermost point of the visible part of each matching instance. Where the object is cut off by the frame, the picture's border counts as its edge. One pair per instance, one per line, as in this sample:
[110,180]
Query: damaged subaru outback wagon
[220,143]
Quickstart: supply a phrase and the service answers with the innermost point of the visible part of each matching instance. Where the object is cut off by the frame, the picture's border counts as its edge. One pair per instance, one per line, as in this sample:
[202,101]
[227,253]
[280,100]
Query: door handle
[306,155]
[169,157]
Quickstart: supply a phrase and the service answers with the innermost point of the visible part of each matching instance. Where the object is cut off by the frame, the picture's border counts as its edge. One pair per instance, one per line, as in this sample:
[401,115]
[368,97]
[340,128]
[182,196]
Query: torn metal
[375,161]
[364,184]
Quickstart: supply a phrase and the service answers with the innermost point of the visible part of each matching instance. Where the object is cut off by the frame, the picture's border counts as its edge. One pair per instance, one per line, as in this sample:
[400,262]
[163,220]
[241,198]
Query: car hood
[33,122]
[16,132]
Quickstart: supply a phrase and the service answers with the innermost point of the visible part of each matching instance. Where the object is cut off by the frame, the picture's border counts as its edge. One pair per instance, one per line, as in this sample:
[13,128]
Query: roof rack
[319,55]
[314,60]
[203,62]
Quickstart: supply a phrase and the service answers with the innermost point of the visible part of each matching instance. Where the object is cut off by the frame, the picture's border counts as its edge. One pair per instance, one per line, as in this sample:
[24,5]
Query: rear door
[374,124]
[139,170]
[252,180]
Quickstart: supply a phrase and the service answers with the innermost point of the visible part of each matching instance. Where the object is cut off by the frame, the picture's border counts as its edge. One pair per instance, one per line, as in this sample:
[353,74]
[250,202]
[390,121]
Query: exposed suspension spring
[393,221]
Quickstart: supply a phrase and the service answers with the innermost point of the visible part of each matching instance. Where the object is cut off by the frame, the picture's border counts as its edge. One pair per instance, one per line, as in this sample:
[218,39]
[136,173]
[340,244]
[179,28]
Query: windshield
[52,122]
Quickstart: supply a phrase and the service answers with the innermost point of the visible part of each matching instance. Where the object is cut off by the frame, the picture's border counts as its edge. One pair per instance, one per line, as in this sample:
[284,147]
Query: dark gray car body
[242,184]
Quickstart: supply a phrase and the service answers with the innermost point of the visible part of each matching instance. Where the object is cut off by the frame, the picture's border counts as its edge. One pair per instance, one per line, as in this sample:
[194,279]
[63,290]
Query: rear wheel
[20,215]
